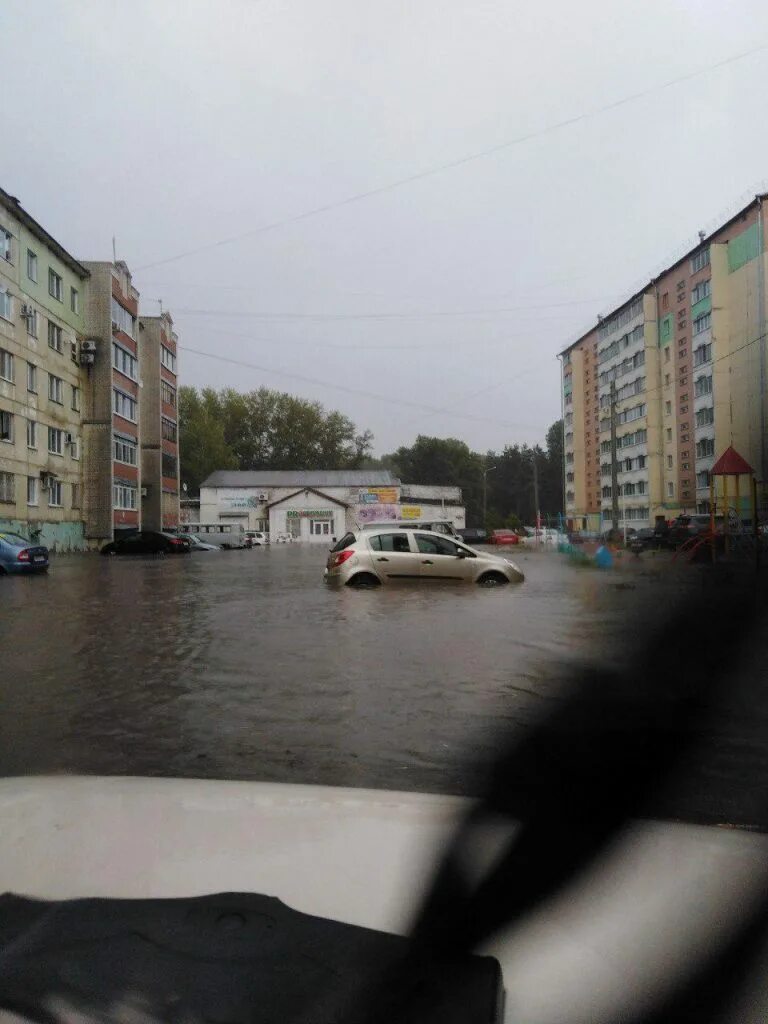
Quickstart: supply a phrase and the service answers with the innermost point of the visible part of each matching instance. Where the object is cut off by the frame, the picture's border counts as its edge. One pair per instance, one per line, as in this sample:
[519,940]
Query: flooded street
[244,665]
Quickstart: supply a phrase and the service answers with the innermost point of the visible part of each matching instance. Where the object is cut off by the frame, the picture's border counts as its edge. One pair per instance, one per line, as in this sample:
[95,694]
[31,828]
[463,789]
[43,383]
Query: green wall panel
[665,330]
[743,248]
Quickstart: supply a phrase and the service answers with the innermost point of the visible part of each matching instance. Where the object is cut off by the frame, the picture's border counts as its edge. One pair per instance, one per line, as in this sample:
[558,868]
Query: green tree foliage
[262,429]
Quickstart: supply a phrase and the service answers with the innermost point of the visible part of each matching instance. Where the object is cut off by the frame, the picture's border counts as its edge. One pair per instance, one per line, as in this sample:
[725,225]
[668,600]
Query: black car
[148,543]
[472,535]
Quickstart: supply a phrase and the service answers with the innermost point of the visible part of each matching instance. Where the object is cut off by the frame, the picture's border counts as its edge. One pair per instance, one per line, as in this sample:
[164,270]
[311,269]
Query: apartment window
[124,405]
[705,416]
[686,465]
[33,324]
[124,497]
[169,465]
[670,462]
[702,479]
[55,389]
[705,448]
[31,265]
[55,492]
[75,399]
[667,379]
[55,336]
[667,354]
[124,450]
[668,408]
[122,320]
[6,426]
[7,487]
[702,323]
[75,495]
[168,359]
[703,386]
[31,434]
[55,441]
[701,291]
[700,260]
[669,433]
[6,366]
[6,303]
[124,361]
[670,490]
[641,486]
[5,244]
[55,285]
[168,395]
[33,490]
[74,449]
[665,301]
[702,354]
[74,300]
[169,430]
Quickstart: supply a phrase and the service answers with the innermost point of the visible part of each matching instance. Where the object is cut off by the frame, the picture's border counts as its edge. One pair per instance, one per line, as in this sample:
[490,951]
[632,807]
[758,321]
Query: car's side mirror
[461,554]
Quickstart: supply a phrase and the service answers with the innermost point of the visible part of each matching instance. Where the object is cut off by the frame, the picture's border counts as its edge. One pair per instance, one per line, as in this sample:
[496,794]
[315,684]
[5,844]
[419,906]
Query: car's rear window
[14,538]
[390,542]
[346,540]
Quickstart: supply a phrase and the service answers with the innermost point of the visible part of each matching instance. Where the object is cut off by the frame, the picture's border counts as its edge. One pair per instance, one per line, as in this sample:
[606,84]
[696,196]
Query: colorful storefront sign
[410,512]
[378,496]
[309,513]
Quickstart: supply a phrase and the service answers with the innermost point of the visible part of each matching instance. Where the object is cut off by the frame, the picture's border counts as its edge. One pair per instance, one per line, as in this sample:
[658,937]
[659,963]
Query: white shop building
[315,506]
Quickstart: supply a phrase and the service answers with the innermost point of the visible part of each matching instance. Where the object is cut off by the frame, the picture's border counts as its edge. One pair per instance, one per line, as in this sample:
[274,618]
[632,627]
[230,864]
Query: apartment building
[42,290]
[158,404]
[687,360]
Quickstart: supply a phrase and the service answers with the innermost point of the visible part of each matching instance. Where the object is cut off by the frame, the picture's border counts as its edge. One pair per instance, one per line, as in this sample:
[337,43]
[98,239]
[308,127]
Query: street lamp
[490,469]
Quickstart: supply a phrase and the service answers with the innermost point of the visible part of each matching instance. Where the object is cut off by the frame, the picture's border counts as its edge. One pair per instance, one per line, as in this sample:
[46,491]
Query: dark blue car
[18,555]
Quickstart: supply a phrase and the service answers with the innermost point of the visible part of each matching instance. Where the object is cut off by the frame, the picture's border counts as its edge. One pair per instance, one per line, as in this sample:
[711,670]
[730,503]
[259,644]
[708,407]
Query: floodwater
[245,665]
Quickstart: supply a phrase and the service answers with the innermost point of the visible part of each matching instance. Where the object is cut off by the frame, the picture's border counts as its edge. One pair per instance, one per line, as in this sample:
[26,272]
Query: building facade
[314,506]
[42,291]
[686,357]
[158,406]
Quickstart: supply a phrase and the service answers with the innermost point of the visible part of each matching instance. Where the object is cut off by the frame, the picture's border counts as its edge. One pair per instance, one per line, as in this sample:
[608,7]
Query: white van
[223,535]
[435,525]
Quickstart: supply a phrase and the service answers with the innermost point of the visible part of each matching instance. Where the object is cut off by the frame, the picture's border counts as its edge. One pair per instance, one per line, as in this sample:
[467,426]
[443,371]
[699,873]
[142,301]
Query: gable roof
[301,478]
[731,463]
[307,490]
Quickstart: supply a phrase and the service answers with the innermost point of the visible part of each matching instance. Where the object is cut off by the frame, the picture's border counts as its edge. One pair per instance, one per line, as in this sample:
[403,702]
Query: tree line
[268,429]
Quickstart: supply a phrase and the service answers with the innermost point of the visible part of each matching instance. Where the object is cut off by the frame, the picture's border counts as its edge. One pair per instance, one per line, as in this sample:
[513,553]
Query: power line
[461,161]
[356,391]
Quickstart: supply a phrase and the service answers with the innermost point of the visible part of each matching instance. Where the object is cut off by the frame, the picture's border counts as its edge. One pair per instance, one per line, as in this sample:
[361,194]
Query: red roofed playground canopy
[731,463]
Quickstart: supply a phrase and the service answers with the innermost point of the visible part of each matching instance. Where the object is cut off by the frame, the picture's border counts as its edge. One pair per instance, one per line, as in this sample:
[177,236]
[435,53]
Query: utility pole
[486,471]
[614,463]
[536,511]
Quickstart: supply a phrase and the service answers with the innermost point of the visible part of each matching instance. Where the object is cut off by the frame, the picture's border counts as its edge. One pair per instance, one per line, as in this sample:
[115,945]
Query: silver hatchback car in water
[368,558]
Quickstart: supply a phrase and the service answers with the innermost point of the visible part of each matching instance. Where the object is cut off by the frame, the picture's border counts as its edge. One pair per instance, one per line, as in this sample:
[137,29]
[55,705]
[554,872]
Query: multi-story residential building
[41,323]
[687,357]
[111,463]
[158,404]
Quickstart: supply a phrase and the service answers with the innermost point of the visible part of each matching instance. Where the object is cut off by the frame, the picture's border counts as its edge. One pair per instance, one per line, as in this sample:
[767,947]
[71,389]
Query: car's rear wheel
[364,581]
[493,579]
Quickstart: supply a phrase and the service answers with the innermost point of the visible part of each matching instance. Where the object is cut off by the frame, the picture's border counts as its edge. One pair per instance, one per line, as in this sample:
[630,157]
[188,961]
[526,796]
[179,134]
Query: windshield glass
[14,539]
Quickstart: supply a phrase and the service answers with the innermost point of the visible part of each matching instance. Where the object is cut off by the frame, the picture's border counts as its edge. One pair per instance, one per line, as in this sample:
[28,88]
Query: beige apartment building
[687,357]
[42,289]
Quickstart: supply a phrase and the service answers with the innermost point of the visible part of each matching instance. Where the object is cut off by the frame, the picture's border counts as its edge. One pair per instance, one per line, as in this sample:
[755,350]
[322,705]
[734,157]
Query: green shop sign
[309,513]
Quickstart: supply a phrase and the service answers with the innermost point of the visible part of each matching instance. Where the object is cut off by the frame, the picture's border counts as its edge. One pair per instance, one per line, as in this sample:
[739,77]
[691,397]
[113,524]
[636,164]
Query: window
[168,429]
[124,496]
[55,441]
[169,464]
[6,426]
[55,285]
[124,450]
[123,405]
[168,359]
[5,244]
[6,365]
[667,355]
[641,486]
[31,265]
[703,386]
[702,323]
[701,291]
[33,324]
[74,300]
[55,490]
[31,434]
[319,527]
[390,542]
[670,462]
[168,395]
[670,490]
[122,320]
[33,490]
[668,408]
[667,379]
[32,378]
[702,479]
[54,336]
[434,544]
[6,303]
[641,462]
[669,433]
[705,448]
[665,301]
[700,260]
[55,389]
[75,495]
[569,478]
[75,399]
[702,354]
[124,361]
[705,416]
[7,487]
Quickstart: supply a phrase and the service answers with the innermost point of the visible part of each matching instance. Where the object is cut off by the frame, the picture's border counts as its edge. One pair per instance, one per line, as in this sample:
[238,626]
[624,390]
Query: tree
[443,461]
[201,437]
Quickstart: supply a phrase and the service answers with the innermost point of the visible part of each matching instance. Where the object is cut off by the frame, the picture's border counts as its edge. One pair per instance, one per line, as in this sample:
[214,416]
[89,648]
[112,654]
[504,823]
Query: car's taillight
[23,556]
[342,556]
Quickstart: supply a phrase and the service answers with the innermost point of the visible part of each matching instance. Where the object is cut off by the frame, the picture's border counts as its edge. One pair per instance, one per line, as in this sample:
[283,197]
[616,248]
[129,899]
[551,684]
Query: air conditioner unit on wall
[26,312]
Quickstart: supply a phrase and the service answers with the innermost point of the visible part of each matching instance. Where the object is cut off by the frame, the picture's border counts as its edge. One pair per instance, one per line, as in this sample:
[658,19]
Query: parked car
[444,526]
[546,535]
[256,538]
[148,543]
[472,535]
[503,537]
[685,527]
[644,538]
[196,544]
[368,558]
[18,555]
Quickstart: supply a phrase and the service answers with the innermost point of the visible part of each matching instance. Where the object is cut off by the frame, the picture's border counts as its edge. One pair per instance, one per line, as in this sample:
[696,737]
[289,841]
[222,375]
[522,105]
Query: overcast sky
[178,125]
